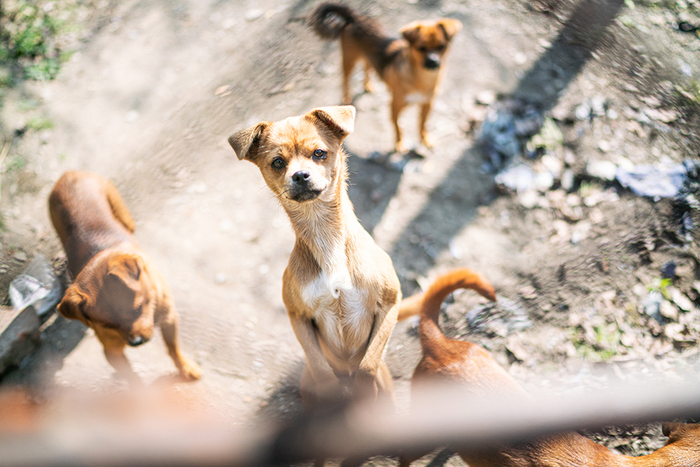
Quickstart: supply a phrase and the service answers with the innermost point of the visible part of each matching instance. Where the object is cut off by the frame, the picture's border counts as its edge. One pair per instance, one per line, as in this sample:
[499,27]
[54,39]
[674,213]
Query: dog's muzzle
[432,61]
[301,188]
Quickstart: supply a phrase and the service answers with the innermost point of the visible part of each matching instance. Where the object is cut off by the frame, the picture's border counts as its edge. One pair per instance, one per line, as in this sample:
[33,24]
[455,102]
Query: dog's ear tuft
[450,27]
[73,304]
[340,119]
[411,32]
[246,142]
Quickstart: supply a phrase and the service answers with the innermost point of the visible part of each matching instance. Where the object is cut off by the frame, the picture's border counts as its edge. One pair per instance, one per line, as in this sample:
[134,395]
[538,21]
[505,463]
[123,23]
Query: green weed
[39,123]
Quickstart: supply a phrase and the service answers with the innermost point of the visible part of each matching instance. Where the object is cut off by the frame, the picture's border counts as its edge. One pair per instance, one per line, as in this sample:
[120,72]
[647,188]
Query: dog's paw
[190,371]
[400,147]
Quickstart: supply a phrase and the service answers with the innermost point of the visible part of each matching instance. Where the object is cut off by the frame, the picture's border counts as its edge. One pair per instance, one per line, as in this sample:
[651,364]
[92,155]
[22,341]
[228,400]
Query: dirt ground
[155,88]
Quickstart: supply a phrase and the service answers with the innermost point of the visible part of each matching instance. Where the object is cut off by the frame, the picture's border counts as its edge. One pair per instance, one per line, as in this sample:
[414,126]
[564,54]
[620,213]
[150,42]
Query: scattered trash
[654,181]
[37,286]
[668,271]
[652,305]
[498,318]
[506,127]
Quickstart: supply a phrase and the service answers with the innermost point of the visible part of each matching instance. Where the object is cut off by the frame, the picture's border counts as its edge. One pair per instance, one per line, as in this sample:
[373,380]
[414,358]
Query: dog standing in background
[115,290]
[410,66]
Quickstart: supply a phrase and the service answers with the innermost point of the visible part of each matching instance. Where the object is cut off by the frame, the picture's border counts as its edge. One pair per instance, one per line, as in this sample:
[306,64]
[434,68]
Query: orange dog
[116,291]
[470,364]
[410,66]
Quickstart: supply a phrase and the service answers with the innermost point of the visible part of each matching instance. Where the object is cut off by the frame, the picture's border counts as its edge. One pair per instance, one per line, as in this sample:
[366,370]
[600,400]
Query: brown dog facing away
[116,291]
[410,66]
[473,367]
[340,289]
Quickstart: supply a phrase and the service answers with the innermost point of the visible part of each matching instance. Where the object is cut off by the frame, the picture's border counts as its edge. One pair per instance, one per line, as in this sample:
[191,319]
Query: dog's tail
[428,303]
[444,285]
[329,19]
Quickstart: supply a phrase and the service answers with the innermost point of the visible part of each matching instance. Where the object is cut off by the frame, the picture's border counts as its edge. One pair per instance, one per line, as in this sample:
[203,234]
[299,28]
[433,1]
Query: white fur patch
[326,295]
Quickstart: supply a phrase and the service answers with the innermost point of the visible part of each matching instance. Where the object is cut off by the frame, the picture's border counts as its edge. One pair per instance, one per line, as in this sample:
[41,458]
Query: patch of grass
[661,286]
[15,163]
[601,346]
[32,36]
[39,123]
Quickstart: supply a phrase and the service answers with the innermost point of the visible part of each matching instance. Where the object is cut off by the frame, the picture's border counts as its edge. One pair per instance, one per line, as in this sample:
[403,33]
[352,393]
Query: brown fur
[410,66]
[340,289]
[116,291]
[469,364]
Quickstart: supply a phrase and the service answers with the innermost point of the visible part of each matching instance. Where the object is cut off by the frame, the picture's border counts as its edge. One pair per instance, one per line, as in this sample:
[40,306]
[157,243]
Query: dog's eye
[320,154]
[422,49]
[440,48]
[278,163]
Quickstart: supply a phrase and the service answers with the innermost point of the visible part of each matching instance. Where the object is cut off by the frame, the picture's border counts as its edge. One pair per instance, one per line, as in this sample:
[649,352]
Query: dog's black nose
[136,341]
[302,176]
[431,62]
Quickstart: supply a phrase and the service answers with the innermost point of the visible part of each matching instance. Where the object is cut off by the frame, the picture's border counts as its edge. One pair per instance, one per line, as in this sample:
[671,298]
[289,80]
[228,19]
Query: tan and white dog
[340,289]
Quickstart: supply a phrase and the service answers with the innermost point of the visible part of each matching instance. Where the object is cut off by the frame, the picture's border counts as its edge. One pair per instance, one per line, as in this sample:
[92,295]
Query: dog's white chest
[339,309]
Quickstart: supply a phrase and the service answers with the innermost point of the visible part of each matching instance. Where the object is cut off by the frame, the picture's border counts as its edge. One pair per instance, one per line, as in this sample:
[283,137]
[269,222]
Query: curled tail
[457,279]
[429,328]
[329,19]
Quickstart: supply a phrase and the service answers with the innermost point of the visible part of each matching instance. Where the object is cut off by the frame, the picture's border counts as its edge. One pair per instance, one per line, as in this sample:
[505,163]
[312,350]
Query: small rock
[668,311]
[529,199]
[583,112]
[675,332]
[680,300]
[131,116]
[486,97]
[20,256]
[515,347]
[223,90]
[604,170]
[252,15]
[528,292]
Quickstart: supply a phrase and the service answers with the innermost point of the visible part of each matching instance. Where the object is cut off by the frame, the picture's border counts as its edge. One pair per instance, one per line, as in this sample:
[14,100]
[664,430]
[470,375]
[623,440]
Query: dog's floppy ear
[340,119]
[246,142]
[73,304]
[122,286]
[450,27]
[125,267]
[411,32]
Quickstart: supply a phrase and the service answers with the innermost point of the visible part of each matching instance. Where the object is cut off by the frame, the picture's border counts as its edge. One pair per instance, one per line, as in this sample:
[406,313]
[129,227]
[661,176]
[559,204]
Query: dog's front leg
[318,379]
[397,105]
[188,369]
[114,352]
[424,135]
[372,367]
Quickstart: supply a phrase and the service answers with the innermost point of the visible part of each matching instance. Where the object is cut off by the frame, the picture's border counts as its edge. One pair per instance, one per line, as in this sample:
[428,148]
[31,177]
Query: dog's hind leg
[119,208]
[351,54]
